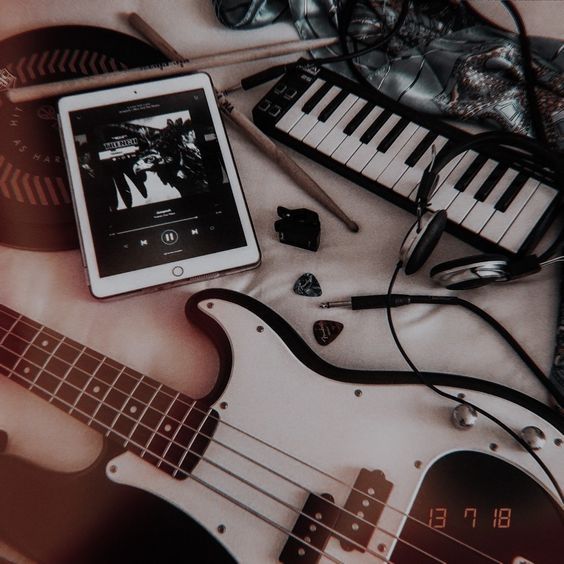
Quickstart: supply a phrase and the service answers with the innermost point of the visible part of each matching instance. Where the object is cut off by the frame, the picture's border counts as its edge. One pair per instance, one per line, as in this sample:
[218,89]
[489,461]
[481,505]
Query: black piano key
[375,127]
[490,182]
[470,173]
[393,134]
[315,98]
[512,190]
[358,118]
[332,105]
[423,145]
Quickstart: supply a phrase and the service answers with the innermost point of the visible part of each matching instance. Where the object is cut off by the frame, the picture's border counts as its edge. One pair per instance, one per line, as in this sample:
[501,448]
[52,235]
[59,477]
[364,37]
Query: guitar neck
[159,424]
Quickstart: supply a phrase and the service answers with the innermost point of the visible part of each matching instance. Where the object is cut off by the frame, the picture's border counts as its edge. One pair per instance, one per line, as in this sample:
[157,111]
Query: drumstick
[99,81]
[252,132]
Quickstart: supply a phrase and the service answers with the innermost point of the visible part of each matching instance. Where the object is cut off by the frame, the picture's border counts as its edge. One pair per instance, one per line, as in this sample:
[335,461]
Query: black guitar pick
[326,331]
[307,285]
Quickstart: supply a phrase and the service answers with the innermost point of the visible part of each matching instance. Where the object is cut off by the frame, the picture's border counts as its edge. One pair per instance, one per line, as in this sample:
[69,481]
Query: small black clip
[300,228]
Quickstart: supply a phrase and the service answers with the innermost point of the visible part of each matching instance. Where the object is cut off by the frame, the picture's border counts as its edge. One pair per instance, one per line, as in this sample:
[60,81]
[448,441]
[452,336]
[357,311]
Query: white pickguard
[271,395]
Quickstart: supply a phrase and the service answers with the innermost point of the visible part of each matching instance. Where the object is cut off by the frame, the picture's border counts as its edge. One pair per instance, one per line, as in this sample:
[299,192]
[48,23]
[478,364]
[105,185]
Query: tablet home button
[178,271]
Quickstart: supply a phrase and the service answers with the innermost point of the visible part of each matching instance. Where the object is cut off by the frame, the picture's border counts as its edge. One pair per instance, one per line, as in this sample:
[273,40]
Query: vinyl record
[35,205]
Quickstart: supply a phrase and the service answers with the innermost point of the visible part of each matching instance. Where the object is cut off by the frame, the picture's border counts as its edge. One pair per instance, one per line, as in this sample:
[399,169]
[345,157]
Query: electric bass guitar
[288,459]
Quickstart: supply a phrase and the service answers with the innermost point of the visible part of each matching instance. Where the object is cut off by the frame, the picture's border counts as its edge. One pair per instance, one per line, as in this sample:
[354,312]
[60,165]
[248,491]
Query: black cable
[347,56]
[528,74]
[398,300]
[483,412]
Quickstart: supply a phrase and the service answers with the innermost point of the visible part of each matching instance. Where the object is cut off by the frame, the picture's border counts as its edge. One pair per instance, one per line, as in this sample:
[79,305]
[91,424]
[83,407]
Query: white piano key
[381,160]
[498,224]
[445,193]
[483,211]
[407,184]
[389,176]
[321,129]
[292,116]
[519,230]
[336,136]
[461,206]
[344,151]
[308,121]
[366,151]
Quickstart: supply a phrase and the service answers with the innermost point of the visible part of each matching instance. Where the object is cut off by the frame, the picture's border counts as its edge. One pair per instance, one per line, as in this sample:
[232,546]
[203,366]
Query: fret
[119,412]
[24,371]
[141,416]
[87,359]
[159,404]
[48,344]
[65,396]
[63,385]
[26,329]
[105,376]
[158,443]
[139,437]
[173,451]
[46,381]
[127,382]
[154,430]
[191,452]
[15,344]
[47,340]
[20,348]
[36,356]
[8,360]
[109,371]
[76,376]
[177,437]
[7,319]
[69,350]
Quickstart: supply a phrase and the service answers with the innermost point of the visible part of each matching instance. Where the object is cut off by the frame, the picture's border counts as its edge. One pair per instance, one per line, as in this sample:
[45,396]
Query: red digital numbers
[501,517]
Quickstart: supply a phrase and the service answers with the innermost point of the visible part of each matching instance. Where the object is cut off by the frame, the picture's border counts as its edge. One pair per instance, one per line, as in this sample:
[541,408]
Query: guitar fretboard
[159,424]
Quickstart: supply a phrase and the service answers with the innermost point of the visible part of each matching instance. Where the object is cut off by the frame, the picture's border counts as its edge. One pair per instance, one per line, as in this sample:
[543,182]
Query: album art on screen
[155,182]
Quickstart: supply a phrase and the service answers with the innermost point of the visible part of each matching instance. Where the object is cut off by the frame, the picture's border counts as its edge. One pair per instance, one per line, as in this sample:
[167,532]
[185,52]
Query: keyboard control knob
[464,416]
[534,437]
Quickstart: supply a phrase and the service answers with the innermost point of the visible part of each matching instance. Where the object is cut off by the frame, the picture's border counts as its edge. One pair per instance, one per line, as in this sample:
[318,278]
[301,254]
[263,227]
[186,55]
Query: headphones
[476,270]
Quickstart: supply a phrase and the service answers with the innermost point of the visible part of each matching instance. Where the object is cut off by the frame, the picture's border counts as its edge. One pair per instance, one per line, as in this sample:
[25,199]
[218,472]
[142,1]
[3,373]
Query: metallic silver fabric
[445,60]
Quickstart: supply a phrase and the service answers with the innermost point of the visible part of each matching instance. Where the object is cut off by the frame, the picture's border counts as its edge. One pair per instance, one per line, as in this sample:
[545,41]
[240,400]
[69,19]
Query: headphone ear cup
[470,272]
[418,245]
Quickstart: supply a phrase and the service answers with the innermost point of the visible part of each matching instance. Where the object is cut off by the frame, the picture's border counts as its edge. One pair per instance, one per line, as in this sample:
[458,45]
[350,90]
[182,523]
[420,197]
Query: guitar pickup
[363,509]
[311,531]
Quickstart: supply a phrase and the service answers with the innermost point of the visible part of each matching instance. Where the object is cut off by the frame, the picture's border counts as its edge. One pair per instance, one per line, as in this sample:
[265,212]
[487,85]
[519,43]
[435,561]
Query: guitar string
[58,336]
[240,504]
[406,515]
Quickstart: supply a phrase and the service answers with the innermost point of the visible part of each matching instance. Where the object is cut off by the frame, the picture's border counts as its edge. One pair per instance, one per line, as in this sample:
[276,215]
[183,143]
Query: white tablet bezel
[193,269]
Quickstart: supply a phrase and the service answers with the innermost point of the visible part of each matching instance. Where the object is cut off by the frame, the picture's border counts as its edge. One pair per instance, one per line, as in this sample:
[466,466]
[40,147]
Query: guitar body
[83,517]
[292,428]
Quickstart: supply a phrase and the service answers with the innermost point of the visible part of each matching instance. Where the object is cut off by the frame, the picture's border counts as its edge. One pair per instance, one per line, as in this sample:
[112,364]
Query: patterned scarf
[445,60]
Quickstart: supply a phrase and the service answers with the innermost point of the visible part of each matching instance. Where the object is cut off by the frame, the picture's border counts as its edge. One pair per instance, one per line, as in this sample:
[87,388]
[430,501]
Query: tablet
[156,194]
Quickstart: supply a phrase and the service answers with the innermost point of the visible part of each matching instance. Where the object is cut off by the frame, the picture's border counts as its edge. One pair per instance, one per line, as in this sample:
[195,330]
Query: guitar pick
[307,285]
[326,331]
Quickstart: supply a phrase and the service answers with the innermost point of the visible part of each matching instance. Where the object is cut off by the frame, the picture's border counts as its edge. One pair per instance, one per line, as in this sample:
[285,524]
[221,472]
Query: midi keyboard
[494,201]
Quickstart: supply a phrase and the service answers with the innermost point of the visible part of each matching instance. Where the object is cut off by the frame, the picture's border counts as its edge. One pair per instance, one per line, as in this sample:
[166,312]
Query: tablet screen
[155,183]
